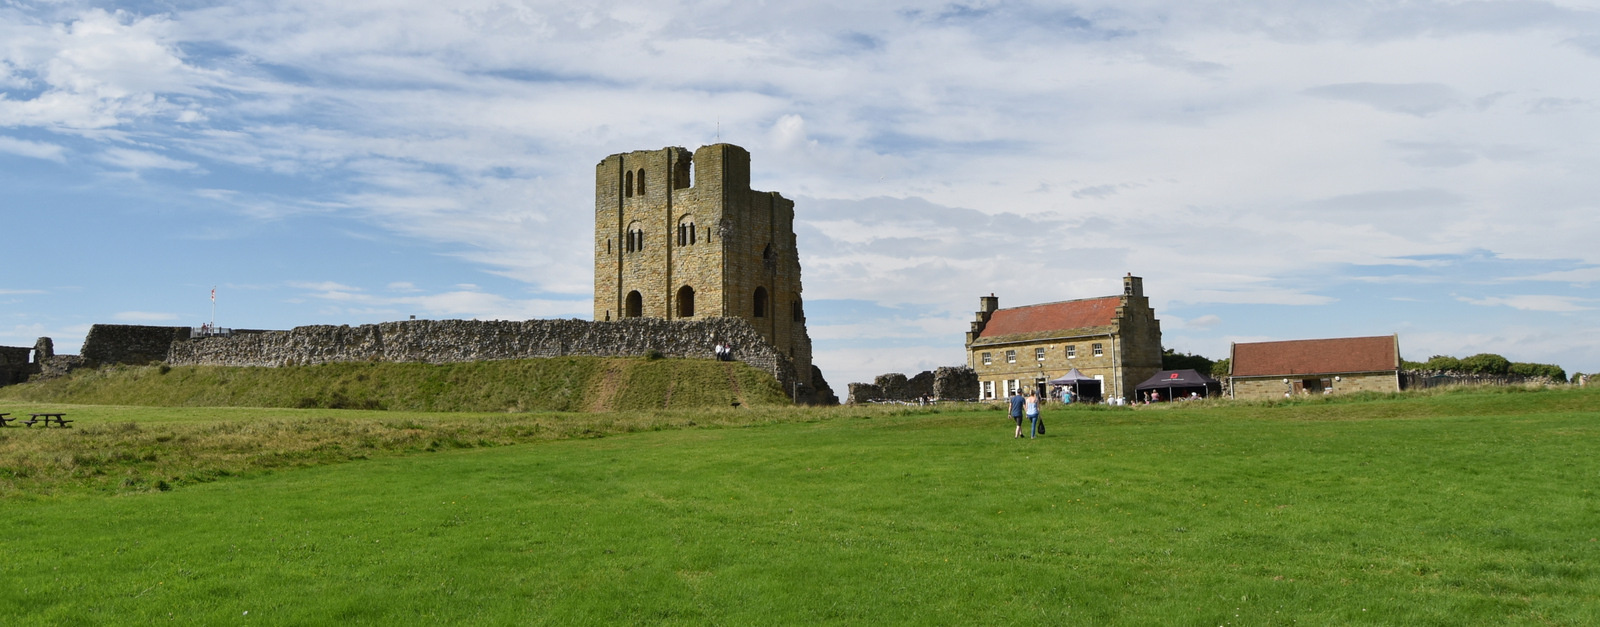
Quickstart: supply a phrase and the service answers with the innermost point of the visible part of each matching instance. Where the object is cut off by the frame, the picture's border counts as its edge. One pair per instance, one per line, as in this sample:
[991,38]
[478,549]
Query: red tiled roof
[1346,354]
[1062,316]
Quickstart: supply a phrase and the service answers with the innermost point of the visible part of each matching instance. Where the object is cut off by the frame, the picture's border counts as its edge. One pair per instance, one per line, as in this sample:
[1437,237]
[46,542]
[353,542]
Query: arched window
[641,181]
[685,302]
[687,234]
[761,302]
[627,184]
[635,237]
[635,305]
[796,312]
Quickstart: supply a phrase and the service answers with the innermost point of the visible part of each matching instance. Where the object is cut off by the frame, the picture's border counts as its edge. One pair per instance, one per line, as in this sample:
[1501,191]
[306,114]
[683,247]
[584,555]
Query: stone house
[1116,339]
[1267,370]
[681,236]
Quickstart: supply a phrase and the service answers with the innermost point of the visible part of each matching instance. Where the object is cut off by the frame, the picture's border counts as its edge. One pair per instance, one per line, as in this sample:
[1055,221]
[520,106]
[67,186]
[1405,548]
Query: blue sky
[1274,170]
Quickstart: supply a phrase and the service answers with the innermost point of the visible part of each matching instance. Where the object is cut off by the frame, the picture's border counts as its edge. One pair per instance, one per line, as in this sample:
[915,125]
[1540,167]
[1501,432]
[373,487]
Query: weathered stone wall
[452,341]
[129,344]
[824,394]
[60,365]
[14,365]
[958,383]
[864,393]
[1421,379]
[1267,388]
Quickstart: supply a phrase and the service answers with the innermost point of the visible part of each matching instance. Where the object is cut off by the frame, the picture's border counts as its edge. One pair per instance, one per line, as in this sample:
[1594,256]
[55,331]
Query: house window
[987,360]
[1098,352]
[988,390]
[1038,354]
[1011,357]
[1013,386]
[1072,351]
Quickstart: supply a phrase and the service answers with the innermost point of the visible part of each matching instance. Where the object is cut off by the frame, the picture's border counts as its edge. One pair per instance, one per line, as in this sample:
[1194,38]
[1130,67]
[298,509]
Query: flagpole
[213,308]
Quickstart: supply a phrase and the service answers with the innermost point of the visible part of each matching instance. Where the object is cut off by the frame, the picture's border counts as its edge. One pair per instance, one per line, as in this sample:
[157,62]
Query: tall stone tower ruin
[682,236]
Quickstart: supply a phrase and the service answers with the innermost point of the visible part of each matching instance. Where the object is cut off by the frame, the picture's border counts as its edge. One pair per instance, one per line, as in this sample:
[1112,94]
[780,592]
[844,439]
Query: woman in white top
[1030,406]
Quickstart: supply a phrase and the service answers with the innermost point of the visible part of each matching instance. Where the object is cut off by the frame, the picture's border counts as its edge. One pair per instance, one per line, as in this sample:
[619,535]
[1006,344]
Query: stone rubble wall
[455,341]
[955,383]
[958,383]
[14,365]
[60,365]
[1421,379]
[129,343]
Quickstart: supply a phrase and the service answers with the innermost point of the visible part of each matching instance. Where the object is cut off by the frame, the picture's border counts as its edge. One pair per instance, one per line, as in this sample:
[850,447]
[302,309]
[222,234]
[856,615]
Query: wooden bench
[46,418]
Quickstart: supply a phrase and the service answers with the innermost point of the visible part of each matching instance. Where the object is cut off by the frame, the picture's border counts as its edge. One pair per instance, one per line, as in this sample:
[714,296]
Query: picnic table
[4,421]
[46,418]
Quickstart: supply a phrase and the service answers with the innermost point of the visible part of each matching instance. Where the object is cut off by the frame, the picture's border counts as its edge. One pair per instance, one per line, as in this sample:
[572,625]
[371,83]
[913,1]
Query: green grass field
[1471,507]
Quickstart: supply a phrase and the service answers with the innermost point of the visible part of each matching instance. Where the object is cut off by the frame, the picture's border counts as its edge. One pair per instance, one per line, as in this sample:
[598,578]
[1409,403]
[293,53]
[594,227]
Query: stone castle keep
[681,236]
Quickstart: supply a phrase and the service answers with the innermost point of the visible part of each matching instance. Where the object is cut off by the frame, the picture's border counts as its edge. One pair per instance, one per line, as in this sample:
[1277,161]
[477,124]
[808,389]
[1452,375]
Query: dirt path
[610,384]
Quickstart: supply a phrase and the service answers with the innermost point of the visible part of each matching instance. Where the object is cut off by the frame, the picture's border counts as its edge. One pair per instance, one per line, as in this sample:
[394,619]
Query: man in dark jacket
[1017,401]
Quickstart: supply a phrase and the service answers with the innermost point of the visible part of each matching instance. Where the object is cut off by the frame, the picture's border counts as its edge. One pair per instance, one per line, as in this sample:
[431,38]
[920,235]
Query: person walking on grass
[1017,403]
[1030,406]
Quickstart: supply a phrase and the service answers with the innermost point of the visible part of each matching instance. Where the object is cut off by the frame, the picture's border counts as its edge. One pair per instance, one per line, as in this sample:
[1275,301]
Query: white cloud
[1533,302]
[143,160]
[36,150]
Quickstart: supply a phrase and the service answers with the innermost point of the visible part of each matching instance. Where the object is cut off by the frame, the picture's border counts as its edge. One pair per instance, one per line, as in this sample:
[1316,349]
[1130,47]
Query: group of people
[724,352]
[1026,406]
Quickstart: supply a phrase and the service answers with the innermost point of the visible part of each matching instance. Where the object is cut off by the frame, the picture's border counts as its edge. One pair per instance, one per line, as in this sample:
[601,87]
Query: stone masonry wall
[14,365]
[946,383]
[1268,388]
[452,341]
[129,344]
[958,383]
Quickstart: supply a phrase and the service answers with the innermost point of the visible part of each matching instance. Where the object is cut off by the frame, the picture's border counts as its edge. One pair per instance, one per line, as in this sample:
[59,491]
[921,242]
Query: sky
[1273,169]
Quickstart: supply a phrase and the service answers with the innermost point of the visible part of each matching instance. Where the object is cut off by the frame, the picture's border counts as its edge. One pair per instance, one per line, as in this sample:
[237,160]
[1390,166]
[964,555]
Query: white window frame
[1099,351]
[1072,351]
[1038,354]
[988,359]
[988,390]
[1011,356]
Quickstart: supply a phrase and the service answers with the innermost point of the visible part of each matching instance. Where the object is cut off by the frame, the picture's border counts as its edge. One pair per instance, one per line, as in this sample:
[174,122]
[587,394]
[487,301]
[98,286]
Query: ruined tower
[682,236]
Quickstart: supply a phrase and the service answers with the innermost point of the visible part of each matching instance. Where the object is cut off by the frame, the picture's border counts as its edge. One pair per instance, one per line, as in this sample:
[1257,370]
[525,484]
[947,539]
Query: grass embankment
[1471,507]
[556,384]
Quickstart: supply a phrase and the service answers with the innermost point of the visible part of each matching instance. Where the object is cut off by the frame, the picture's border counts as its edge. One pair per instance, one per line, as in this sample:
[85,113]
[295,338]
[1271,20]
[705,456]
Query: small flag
[213,294]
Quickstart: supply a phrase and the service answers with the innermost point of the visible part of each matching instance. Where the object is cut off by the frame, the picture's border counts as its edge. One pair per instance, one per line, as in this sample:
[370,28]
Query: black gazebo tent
[1179,383]
[1083,387]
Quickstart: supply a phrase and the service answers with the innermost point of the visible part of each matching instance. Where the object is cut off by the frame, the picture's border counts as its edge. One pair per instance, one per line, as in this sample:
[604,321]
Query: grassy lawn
[1471,508]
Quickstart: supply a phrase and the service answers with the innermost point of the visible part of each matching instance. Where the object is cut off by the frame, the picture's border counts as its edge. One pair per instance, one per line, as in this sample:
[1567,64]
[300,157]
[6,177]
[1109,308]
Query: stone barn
[1267,370]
